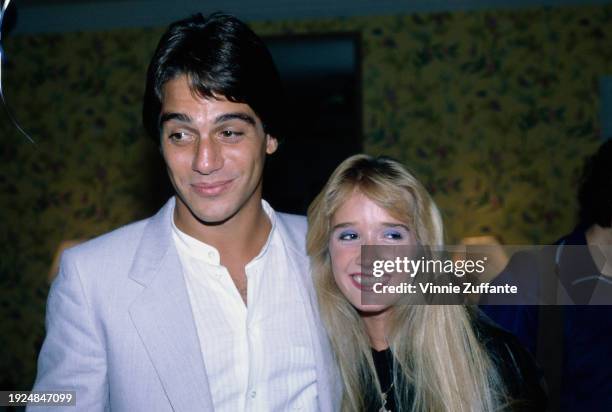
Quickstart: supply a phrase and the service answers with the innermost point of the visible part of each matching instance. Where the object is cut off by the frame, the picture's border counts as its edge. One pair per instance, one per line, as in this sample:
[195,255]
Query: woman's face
[359,221]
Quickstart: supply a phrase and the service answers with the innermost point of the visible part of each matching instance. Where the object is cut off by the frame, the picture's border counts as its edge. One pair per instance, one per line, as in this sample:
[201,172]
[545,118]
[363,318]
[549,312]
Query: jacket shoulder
[105,260]
[118,241]
[294,227]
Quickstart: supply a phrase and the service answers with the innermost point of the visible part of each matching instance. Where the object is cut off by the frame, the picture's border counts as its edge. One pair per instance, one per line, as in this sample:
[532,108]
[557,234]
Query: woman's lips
[366,282]
[213,188]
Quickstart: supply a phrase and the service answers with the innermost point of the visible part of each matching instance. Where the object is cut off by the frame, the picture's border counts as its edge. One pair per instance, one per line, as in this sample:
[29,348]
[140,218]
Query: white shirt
[260,357]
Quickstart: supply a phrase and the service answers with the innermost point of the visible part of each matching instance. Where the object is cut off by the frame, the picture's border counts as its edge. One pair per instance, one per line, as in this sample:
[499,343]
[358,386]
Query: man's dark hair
[222,57]
[595,193]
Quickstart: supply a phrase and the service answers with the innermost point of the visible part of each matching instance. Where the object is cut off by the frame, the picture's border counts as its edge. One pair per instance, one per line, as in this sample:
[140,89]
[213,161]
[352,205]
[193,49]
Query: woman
[397,356]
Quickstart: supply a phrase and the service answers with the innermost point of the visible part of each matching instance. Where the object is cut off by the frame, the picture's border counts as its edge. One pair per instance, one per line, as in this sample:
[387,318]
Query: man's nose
[208,157]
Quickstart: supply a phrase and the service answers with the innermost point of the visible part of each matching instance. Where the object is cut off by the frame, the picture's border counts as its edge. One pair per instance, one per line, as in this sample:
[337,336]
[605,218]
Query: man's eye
[177,137]
[348,236]
[229,134]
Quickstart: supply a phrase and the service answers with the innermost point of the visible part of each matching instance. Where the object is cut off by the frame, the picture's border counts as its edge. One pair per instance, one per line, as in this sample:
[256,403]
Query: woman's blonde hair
[439,363]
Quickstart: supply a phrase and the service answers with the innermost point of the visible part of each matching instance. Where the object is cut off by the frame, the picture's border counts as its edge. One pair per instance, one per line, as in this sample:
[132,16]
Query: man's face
[214,151]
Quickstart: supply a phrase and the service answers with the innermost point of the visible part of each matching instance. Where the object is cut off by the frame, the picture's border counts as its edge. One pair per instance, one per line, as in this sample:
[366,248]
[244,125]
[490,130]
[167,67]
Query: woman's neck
[376,326]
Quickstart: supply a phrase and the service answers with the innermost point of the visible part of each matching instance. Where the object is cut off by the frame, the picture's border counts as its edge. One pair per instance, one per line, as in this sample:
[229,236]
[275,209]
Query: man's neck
[600,240]
[239,238]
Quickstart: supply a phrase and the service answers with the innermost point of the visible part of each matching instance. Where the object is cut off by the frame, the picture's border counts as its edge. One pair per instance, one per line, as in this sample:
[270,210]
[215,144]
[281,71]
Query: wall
[494,111]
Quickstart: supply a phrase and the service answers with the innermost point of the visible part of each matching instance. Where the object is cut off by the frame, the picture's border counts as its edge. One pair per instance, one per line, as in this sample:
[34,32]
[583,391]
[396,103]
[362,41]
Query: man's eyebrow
[182,117]
[166,117]
[237,115]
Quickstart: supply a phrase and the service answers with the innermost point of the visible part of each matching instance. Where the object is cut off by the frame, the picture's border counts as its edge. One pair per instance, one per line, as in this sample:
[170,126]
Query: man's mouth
[212,188]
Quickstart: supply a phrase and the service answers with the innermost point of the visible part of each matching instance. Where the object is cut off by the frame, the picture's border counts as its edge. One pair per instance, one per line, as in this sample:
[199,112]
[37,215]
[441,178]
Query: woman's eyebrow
[342,225]
[395,224]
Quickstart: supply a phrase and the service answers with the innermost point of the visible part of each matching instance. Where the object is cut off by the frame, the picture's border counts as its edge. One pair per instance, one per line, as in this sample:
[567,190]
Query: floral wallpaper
[493,110]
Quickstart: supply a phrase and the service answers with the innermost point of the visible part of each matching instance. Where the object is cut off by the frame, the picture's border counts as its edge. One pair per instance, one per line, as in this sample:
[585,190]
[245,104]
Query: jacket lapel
[329,387]
[163,318]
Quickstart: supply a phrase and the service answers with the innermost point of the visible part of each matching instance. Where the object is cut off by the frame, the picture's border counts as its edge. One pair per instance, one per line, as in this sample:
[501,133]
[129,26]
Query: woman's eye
[348,236]
[393,235]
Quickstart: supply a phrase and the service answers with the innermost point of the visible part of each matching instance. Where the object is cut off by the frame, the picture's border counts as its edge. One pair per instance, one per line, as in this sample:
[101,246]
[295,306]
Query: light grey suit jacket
[120,330]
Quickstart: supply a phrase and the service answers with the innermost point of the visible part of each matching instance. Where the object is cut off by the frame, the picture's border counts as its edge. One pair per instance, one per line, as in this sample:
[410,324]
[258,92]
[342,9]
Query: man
[573,341]
[208,305]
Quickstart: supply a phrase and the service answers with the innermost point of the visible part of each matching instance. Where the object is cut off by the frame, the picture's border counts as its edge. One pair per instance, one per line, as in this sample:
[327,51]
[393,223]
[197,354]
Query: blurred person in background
[573,343]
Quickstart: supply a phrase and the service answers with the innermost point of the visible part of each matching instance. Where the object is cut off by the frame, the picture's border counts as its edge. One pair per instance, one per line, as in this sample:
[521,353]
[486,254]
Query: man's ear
[271,144]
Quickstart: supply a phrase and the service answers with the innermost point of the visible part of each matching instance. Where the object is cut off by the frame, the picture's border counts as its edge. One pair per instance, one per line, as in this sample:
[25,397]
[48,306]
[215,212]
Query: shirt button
[211,254]
[252,394]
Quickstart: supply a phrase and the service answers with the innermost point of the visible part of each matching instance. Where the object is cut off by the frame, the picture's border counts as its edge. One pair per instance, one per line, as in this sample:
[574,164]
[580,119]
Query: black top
[521,376]
[517,368]
[383,361]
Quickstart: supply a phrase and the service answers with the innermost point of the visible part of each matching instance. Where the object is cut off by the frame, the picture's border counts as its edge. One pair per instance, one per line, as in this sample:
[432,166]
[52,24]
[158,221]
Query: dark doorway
[322,79]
